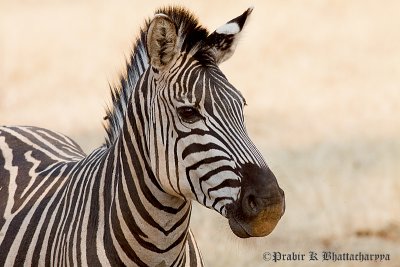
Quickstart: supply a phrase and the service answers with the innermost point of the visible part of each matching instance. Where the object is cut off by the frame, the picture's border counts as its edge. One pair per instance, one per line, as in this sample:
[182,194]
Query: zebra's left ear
[223,41]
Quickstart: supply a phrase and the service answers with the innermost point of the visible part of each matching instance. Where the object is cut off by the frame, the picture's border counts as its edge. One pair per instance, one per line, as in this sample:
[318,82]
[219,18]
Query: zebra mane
[191,34]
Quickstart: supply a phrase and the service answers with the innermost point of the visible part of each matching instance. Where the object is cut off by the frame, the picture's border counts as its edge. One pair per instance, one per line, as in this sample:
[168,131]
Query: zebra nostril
[250,205]
[252,202]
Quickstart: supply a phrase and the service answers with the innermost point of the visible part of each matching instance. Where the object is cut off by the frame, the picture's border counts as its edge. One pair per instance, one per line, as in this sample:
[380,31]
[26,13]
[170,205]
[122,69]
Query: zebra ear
[161,41]
[222,42]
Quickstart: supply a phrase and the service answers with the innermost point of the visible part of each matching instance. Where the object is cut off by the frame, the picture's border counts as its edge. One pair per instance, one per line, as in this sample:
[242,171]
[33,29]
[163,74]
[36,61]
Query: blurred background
[322,83]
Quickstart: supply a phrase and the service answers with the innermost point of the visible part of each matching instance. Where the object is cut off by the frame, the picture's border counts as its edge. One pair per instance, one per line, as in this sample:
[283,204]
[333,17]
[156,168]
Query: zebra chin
[260,206]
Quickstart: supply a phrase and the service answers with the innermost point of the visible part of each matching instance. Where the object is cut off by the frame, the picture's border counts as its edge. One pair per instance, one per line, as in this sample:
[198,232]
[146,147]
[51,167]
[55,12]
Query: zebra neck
[145,220]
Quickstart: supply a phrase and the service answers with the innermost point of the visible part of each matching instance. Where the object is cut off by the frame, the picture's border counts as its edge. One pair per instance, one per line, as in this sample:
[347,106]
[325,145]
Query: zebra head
[196,137]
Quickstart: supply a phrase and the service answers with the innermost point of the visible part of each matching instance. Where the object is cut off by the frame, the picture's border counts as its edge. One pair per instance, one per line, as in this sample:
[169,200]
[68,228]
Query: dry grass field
[322,83]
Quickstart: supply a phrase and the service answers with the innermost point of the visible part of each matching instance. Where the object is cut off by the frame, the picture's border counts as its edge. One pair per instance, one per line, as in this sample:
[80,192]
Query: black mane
[189,30]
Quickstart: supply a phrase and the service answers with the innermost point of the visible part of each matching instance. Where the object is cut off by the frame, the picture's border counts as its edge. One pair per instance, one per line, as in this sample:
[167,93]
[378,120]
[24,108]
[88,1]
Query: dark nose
[261,203]
[260,191]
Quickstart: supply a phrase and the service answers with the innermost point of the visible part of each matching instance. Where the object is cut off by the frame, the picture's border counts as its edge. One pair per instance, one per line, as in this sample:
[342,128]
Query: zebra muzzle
[260,206]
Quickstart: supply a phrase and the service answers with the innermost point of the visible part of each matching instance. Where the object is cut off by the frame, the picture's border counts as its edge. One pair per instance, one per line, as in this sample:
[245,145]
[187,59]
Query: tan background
[322,80]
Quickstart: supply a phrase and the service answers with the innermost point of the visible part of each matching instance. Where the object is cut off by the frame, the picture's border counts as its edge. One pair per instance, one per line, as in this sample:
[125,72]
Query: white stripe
[32,171]
[12,187]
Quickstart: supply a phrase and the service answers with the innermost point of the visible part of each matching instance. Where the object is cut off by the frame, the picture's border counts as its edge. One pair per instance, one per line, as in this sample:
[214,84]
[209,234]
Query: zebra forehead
[229,98]
[209,80]
[220,85]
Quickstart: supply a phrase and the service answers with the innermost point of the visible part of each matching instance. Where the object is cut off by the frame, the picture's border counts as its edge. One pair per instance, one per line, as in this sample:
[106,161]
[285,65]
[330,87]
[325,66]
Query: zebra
[175,133]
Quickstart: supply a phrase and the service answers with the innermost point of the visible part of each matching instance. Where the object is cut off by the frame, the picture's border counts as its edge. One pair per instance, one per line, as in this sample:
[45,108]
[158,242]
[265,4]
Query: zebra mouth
[238,229]
[261,225]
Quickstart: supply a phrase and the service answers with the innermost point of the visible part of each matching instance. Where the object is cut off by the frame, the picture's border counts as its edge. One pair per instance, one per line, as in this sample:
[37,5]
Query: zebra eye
[189,114]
